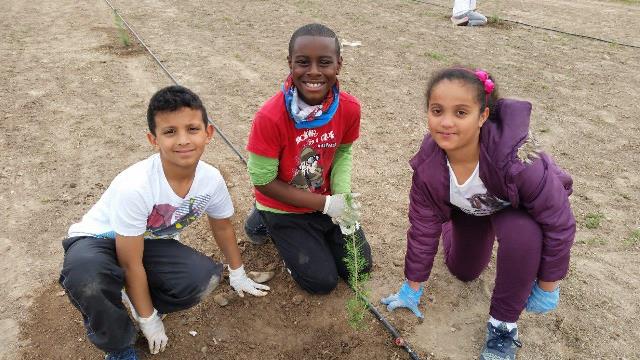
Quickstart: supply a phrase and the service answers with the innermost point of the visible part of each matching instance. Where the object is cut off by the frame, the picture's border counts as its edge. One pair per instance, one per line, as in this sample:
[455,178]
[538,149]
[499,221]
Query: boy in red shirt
[300,163]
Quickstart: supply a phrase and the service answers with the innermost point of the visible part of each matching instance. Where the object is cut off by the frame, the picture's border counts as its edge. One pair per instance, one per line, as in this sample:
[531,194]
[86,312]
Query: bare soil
[73,106]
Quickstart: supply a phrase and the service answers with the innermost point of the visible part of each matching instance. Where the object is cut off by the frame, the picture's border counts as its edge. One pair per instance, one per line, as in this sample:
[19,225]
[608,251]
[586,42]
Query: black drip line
[164,69]
[545,28]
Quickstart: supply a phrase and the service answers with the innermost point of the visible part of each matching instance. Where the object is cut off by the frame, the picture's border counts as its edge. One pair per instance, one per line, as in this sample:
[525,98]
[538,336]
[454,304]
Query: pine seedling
[356,263]
[123,34]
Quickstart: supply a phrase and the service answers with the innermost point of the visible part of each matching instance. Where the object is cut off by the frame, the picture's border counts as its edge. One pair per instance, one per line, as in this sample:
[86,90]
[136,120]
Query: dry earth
[73,105]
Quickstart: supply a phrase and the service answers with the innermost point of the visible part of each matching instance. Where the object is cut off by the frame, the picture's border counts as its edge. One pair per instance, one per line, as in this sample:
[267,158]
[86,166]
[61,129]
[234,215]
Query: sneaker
[255,228]
[501,344]
[127,354]
[476,19]
[469,18]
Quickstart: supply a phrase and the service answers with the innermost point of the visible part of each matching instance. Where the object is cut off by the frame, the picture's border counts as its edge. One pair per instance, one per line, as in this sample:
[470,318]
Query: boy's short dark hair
[314,30]
[172,98]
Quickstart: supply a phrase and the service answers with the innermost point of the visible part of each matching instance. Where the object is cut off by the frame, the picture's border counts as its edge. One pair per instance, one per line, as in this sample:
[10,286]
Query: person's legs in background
[464,14]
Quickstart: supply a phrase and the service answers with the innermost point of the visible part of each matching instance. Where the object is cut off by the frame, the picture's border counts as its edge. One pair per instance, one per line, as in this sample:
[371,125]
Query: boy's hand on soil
[153,329]
[407,298]
[241,283]
[540,301]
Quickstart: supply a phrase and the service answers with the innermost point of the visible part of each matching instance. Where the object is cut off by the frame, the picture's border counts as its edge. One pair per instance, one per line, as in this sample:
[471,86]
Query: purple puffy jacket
[511,168]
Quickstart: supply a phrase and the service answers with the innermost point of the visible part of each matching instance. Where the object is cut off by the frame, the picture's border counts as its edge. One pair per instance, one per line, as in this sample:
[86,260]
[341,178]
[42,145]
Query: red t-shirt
[305,155]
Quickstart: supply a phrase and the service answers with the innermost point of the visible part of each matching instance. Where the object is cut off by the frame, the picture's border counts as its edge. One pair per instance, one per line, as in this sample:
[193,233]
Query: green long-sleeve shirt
[263,170]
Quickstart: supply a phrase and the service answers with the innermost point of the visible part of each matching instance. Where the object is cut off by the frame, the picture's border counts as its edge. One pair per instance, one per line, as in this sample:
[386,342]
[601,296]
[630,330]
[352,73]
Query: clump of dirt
[135,49]
[499,23]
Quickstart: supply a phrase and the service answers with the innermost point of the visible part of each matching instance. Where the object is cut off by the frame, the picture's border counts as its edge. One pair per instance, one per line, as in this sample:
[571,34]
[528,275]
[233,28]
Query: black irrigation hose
[398,340]
[545,28]
[155,58]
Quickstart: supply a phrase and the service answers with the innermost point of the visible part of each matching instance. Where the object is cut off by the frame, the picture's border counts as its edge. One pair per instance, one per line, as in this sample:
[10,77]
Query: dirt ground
[73,116]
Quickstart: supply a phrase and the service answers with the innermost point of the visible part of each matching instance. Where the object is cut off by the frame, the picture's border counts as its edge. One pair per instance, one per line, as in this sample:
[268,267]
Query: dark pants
[312,248]
[468,243]
[178,278]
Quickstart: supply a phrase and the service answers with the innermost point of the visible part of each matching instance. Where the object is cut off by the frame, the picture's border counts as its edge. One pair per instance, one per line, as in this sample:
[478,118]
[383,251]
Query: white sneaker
[476,19]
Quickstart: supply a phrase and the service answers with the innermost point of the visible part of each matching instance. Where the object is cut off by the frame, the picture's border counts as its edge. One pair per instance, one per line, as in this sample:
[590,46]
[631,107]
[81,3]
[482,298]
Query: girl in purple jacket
[479,176]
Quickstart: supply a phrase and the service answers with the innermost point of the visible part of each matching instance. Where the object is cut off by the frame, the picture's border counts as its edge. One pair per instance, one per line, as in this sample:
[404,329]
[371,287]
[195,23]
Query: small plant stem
[355,261]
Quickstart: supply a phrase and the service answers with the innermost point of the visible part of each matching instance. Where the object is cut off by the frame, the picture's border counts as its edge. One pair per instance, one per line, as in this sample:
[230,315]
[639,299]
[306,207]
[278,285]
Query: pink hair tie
[484,78]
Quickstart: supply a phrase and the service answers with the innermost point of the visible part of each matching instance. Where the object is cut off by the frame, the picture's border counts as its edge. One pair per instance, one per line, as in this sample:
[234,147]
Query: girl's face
[314,65]
[454,116]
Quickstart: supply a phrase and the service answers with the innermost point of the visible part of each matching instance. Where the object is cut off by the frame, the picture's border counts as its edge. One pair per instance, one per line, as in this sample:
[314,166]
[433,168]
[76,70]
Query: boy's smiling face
[181,137]
[314,65]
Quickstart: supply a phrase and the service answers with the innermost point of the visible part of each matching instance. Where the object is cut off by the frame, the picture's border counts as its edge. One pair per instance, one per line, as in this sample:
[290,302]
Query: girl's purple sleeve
[423,234]
[543,190]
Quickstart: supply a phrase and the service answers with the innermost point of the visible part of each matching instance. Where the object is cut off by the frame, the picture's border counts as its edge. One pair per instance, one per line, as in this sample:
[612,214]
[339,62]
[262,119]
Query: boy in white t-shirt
[129,238]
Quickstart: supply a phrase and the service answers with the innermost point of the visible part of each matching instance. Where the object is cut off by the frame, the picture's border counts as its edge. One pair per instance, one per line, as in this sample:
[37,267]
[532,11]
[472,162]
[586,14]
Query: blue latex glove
[540,301]
[406,297]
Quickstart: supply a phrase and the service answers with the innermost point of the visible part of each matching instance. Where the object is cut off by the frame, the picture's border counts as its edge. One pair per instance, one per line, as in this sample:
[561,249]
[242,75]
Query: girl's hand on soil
[241,283]
[407,298]
[541,301]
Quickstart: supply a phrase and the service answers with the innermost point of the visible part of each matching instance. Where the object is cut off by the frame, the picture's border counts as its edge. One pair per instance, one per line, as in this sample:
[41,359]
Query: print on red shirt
[305,156]
[309,173]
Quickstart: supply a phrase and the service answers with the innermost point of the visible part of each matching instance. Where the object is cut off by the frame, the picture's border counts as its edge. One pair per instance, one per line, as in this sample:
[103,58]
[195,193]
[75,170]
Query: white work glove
[153,330]
[341,210]
[348,229]
[241,283]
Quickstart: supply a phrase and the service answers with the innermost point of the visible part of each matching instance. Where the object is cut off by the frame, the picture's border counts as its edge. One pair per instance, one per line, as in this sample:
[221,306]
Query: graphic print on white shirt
[140,201]
[472,197]
[161,223]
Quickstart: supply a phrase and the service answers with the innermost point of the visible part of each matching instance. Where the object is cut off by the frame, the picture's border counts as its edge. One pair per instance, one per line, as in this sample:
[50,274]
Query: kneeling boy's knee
[86,271]
[89,285]
[214,281]
[319,284]
[204,277]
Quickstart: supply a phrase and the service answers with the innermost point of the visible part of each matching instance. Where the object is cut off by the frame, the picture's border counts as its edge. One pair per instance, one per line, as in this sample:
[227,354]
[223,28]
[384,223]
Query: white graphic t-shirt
[471,197]
[140,201]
